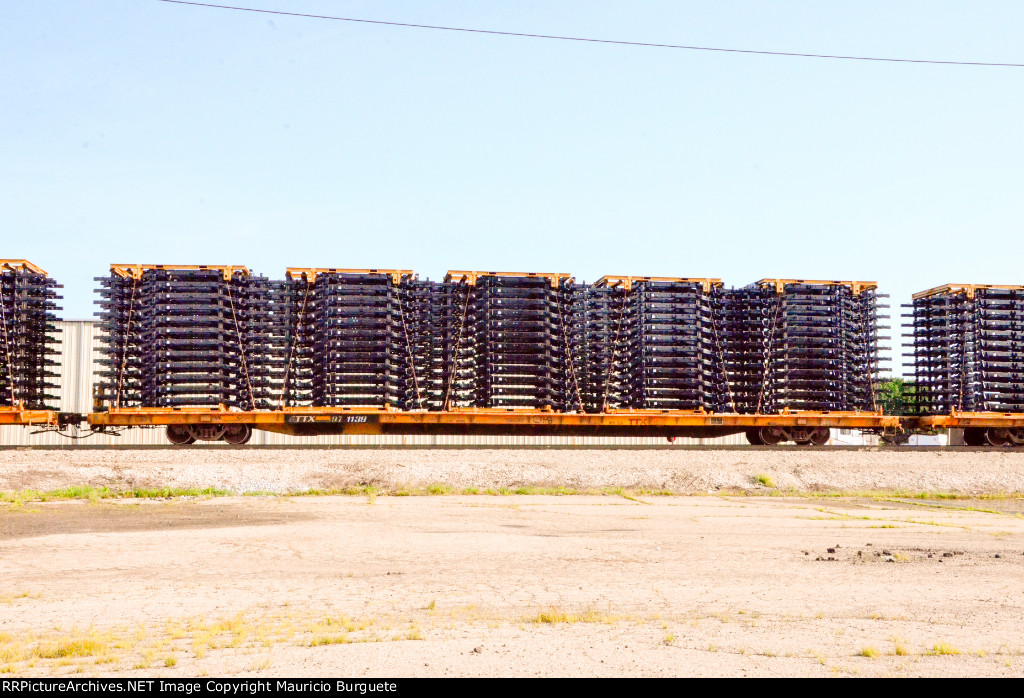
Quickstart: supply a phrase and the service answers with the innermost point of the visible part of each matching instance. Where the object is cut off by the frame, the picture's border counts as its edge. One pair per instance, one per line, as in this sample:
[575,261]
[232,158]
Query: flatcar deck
[18,416]
[300,421]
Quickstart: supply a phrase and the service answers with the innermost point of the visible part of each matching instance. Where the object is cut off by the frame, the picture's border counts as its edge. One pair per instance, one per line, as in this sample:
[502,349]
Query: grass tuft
[86,647]
[96,494]
[330,640]
[555,616]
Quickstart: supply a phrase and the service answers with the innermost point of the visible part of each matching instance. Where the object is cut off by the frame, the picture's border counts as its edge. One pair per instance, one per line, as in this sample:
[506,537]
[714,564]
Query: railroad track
[477,447]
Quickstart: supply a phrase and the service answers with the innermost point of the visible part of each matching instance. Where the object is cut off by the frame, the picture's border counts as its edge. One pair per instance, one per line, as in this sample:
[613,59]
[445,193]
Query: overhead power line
[595,41]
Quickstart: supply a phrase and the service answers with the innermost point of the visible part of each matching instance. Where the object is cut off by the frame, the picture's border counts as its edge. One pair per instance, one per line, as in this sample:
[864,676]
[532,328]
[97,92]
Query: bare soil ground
[512,585]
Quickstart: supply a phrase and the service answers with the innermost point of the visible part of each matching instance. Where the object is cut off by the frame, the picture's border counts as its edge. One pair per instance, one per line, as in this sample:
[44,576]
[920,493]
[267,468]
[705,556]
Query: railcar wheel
[237,434]
[765,436]
[179,435]
[997,437]
[974,437]
[821,436]
[1016,436]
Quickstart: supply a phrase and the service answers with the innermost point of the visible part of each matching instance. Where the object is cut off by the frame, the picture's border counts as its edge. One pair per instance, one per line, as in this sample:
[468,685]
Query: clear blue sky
[140,131]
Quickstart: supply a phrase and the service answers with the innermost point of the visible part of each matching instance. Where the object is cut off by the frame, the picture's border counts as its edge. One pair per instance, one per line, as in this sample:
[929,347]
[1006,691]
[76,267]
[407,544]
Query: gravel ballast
[683,471]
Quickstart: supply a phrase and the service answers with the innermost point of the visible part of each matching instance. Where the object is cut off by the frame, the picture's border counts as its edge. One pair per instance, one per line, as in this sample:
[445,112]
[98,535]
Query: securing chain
[458,343]
[291,349]
[568,349]
[7,342]
[241,346]
[124,352]
[612,356]
[768,353]
[964,317]
[872,351]
[721,358]
[408,346]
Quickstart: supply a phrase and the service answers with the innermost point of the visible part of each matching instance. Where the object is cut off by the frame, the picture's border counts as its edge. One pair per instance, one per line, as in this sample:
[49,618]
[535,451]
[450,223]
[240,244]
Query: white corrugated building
[79,351]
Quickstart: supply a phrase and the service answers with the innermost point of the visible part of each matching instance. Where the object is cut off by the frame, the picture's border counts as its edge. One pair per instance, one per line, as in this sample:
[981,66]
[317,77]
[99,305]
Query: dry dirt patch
[482,585]
[122,516]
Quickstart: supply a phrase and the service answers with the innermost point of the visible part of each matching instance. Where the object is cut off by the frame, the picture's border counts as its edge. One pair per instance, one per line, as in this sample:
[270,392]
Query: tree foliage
[896,396]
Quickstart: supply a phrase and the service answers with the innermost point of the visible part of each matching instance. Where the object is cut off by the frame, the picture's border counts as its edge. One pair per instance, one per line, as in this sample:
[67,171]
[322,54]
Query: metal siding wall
[79,351]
